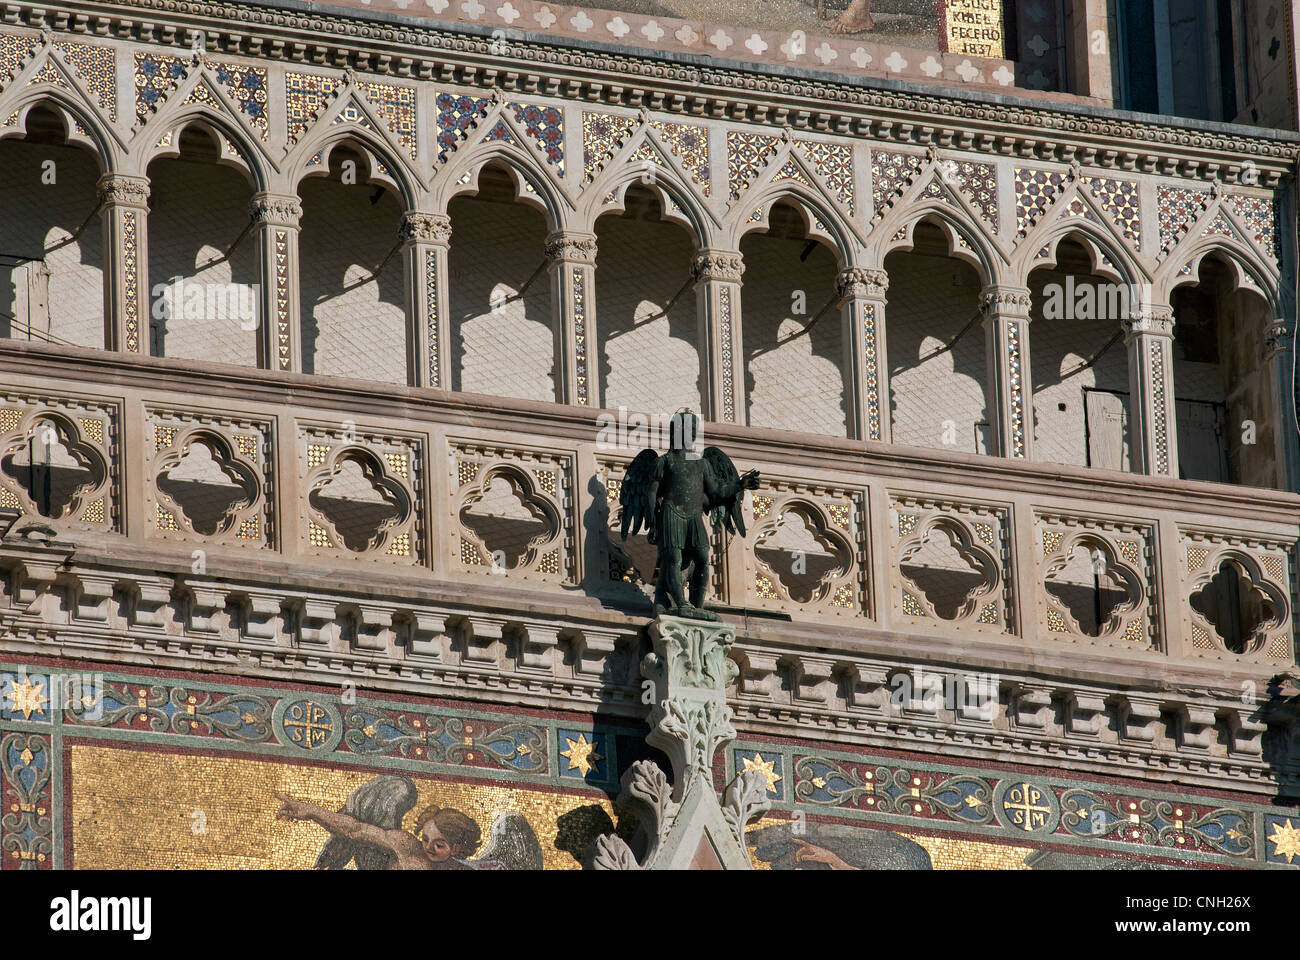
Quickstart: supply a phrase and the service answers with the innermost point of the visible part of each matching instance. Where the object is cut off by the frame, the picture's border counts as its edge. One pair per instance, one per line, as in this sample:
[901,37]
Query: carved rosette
[419,227]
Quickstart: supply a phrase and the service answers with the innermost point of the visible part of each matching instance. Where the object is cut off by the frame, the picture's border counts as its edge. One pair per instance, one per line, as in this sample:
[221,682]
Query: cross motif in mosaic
[747,155]
[155,77]
[791,171]
[500,132]
[603,135]
[97,69]
[1178,209]
[1076,208]
[247,86]
[690,145]
[834,164]
[1260,214]
[891,174]
[546,126]
[305,94]
[1119,198]
[395,105]
[979,181]
[15,51]
[1220,227]
[1036,190]
[457,115]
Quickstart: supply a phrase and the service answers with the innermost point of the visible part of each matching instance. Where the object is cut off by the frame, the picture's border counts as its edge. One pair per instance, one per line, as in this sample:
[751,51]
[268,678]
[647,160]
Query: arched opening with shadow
[792,334]
[1225,394]
[1079,362]
[502,338]
[353,301]
[203,262]
[51,237]
[647,327]
[936,343]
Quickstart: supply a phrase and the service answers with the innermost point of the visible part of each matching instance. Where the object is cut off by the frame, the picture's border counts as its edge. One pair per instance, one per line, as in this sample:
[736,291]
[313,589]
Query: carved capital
[858,282]
[1277,338]
[717,265]
[999,301]
[425,228]
[1151,321]
[567,247]
[115,189]
[274,209]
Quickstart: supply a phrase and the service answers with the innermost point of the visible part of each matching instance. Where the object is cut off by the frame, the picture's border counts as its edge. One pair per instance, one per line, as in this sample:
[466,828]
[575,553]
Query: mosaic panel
[747,155]
[603,135]
[979,181]
[247,87]
[1036,190]
[15,50]
[305,95]
[546,126]
[395,105]
[1119,198]
[155,77]
[891,174]
[457,115]
[1260,214]
[690,145]
[1177,208]
[791,171]
[834,164]
[97,69]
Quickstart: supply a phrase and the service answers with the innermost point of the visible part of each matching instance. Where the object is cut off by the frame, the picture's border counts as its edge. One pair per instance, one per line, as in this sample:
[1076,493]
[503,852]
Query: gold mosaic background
[136,810]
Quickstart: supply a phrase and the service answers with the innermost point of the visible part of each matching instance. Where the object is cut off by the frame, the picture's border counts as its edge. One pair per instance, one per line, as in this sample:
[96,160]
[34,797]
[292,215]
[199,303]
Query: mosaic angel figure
[668,495]
[367,829]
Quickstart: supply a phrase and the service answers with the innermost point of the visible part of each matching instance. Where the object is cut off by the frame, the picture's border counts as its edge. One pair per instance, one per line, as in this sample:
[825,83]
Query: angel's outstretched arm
[345,825]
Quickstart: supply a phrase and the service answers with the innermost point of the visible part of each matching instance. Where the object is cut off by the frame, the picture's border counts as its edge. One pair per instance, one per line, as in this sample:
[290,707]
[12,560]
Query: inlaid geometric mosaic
[1260,214]
[791,171]
[247,86]
[1036,190]
[1119,198]
[155,76]
[1220,227]
[891,174]
[97,69]
[352,112]
[1076,208]
[50,75]
[834,164]
[1178,209]
[690,145]
[546,126]
[934,190]
[747,155]
[395,105]
[457,115]
[305,95]
[979,181]
[500,132]
[603,135]
[15,51]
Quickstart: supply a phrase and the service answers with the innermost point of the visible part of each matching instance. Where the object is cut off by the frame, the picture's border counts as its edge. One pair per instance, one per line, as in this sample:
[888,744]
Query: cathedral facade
[332,331]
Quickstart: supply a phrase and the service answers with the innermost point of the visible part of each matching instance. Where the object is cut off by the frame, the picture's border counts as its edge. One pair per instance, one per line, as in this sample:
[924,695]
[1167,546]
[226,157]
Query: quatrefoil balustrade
[803,552]
[1237,608]
[509,519]
[1092,590]
[949,566]
[212,488]
[360,502]
[53,469]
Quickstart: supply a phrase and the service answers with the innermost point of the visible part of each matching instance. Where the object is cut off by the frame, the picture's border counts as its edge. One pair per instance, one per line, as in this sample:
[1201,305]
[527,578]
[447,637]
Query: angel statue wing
[634,499]
[725,513]
[512,845]
[382,802]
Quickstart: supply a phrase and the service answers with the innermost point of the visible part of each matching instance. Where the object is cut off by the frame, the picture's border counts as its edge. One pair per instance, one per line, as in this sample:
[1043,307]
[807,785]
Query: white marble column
[572,257]
[125,218]
[277,219]
[426,238]
[866,374]
[717,276]
[1010,401]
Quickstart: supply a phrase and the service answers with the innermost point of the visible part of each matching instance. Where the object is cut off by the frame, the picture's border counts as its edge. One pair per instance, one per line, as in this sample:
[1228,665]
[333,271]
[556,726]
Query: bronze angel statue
[668,495]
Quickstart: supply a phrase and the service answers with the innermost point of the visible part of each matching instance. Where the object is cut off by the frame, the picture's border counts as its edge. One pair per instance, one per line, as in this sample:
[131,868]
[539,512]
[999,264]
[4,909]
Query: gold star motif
[766,767]
[582,756]
[27,699]
[523,750]
[1286,840]
[369,730]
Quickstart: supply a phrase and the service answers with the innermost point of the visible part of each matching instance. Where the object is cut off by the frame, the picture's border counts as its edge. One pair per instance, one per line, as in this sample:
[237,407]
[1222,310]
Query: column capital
[276,209]
[861,282]
[1277,338]
[710,264]
[420,227]
[119,189]
[571,246]
[1154,320]
[1001,300]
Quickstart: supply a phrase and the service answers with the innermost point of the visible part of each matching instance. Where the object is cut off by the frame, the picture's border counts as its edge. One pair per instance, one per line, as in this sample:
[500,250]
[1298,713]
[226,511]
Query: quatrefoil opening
[54,467]
[510,518]
[1093,587]
[208,483]
[1240,604]
[954,573]
[804,552]
[360,500]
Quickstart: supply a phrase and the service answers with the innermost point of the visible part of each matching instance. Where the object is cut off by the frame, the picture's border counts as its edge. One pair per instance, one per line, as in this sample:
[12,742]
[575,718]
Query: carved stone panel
[1237,598]
[59,461]
[513,510]
[361,494]
[210,477]
[950,563]
[1097,582]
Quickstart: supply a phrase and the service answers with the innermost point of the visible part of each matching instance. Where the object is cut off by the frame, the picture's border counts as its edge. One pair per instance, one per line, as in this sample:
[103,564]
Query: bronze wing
[636,511]
[726,513]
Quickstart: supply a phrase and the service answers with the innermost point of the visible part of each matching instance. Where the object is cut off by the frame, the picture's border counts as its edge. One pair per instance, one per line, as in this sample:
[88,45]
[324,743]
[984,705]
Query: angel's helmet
[683,430]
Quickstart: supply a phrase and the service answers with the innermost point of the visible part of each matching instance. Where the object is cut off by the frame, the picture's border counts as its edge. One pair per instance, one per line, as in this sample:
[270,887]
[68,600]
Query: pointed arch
[1095,238]
[967,242]
[97,138]
[813,206]
[534,183]
[246,156]
[1249,270]
[323,139]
